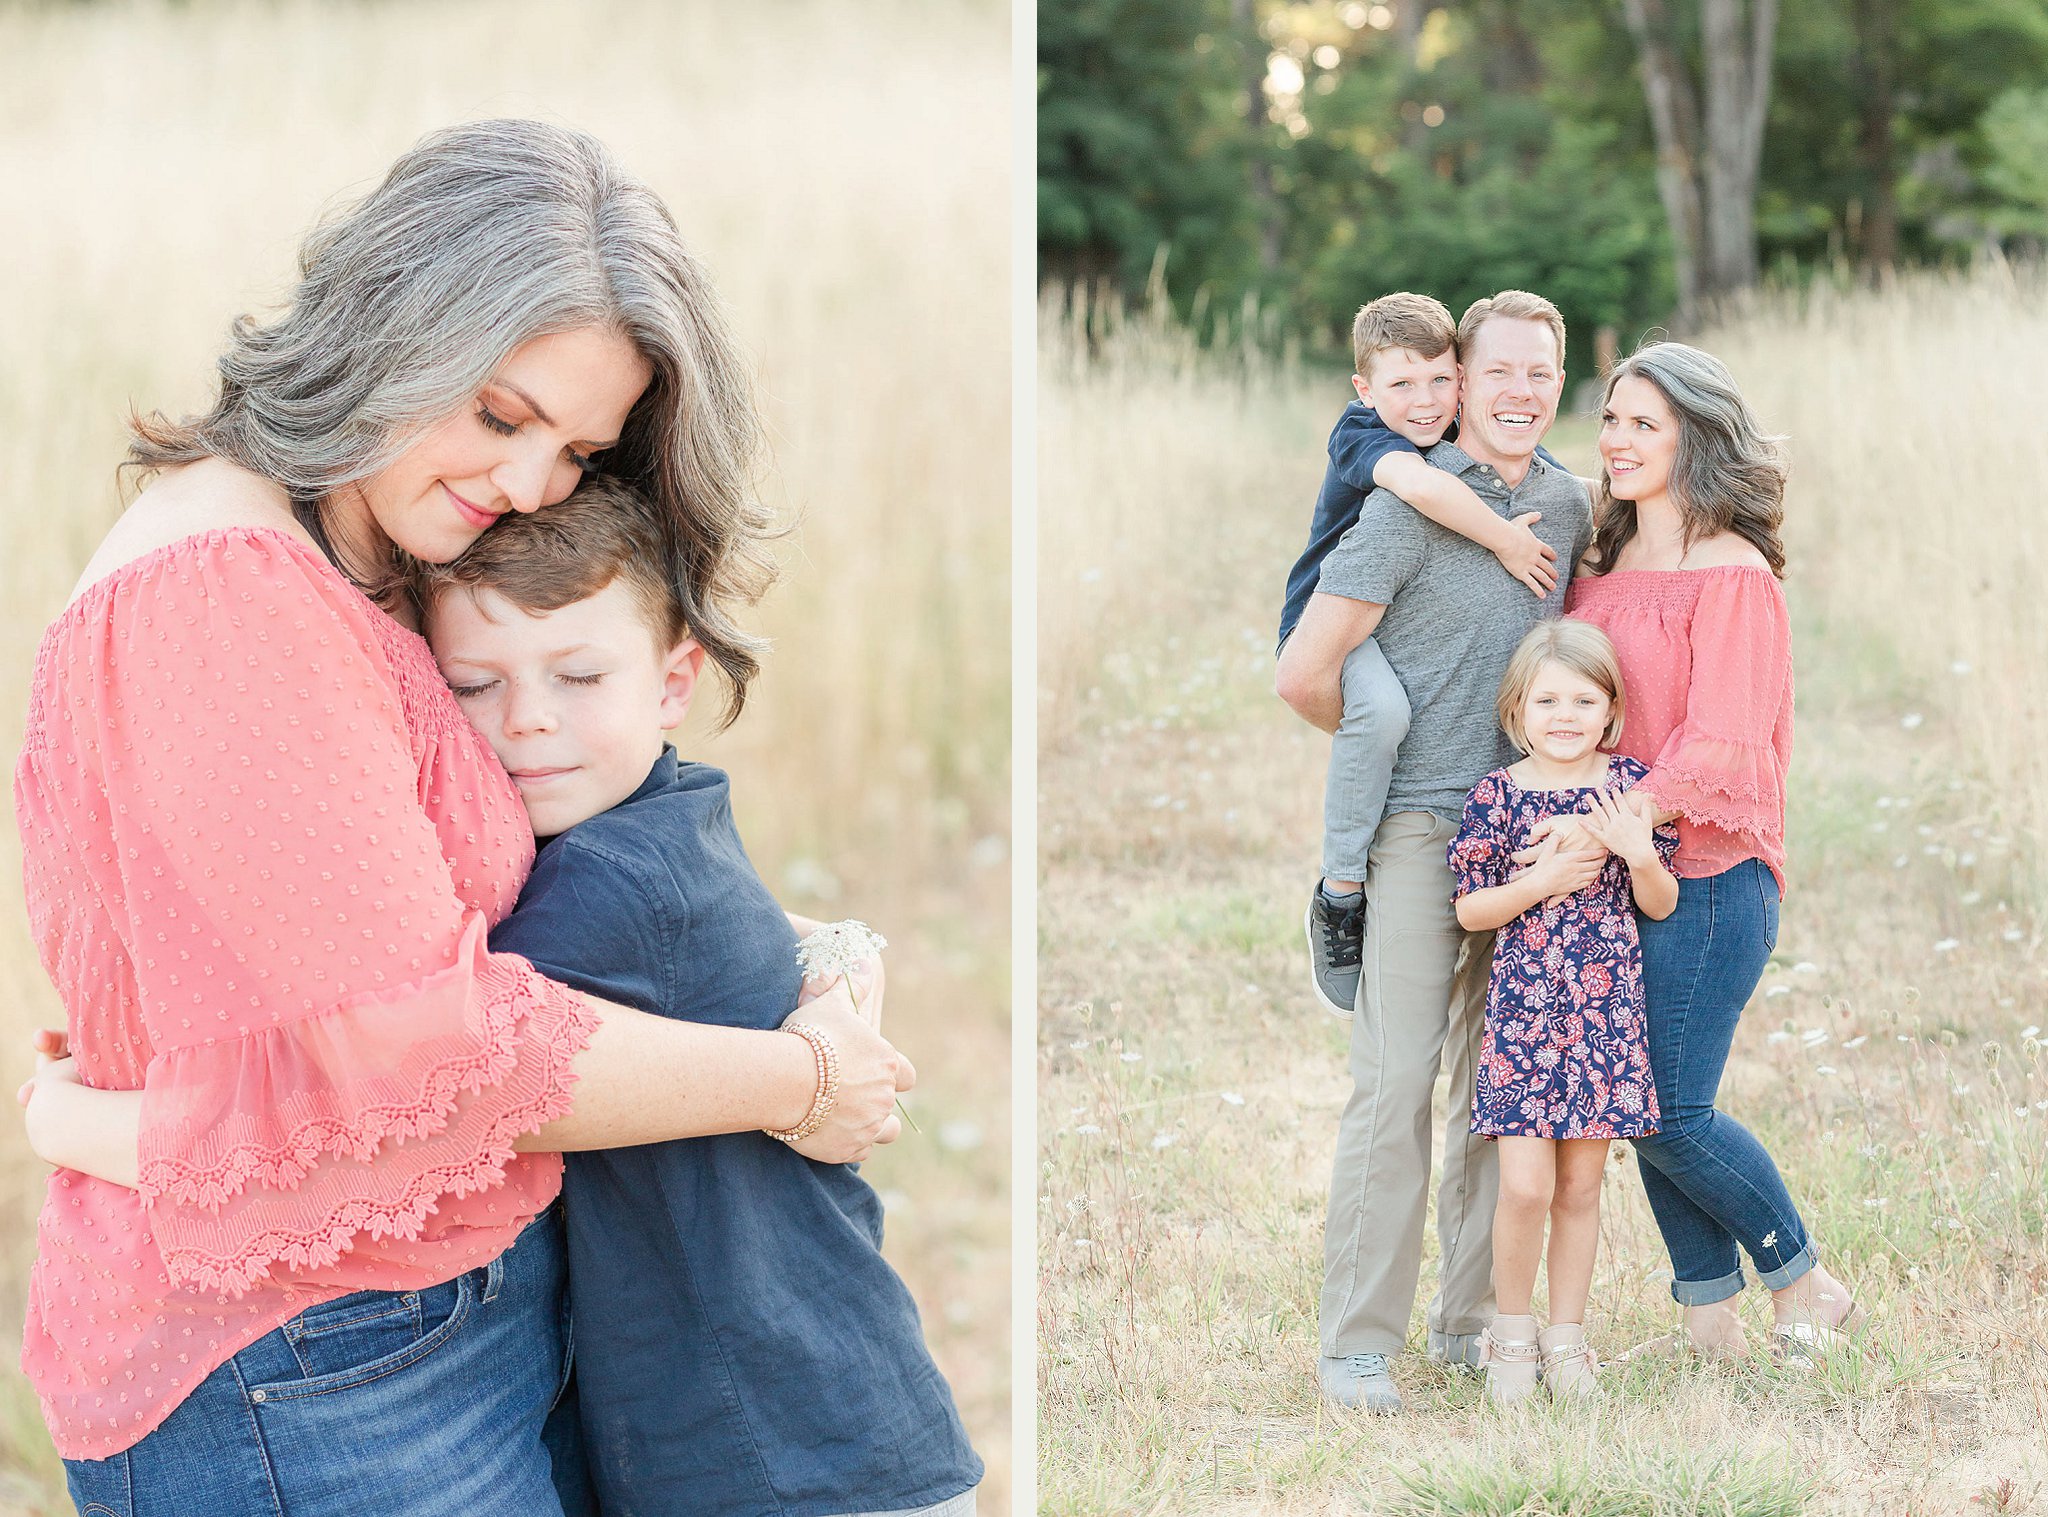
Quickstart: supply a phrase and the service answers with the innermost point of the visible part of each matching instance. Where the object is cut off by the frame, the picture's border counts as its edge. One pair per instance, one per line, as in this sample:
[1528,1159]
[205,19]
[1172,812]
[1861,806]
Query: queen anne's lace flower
[836,948]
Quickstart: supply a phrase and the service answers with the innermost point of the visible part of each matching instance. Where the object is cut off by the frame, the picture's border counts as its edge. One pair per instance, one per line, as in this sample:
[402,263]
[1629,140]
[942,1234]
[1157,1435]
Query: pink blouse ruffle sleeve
[262,851]
[1706,663]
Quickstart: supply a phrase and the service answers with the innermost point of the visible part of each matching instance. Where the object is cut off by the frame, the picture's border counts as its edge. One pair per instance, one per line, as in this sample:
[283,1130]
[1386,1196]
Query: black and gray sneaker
[1336,942]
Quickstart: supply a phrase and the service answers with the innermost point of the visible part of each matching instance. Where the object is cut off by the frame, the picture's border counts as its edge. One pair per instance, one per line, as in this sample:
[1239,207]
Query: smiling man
[1447,616]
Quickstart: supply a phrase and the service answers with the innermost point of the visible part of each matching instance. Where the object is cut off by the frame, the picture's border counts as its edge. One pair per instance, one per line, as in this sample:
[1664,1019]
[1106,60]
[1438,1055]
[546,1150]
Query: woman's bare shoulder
[1725,550]
[194,498]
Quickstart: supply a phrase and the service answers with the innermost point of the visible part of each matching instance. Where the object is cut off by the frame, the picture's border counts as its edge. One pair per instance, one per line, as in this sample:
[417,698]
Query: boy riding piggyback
[1409,383]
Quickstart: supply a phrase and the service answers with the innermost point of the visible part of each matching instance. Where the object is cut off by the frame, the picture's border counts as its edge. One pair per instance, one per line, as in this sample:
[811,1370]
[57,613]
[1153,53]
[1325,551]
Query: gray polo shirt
[1454,616]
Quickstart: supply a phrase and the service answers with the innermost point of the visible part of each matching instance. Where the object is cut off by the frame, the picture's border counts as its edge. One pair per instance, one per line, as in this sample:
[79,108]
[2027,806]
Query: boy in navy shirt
[1408,383]
[742,1349]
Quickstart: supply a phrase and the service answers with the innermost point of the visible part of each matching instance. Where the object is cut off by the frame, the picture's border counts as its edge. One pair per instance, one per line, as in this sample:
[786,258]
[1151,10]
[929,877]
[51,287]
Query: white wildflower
[1824,1069]
[1232,1098]
[1164,1140]
[1813,1037]
[1948,945]
[1130,1058]
[1874,1202]
[1780,1036]
[1770,1239]
[1858,1041]
[836,948]
[1778,990]
[1911,720]
[960,1136]
[1087,1129]
[2030,1032]
[1960,667]
[1806,966]
[2013,934]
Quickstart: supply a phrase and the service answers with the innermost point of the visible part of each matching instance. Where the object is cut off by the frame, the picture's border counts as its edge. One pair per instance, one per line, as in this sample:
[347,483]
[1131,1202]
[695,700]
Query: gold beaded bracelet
[827,1057]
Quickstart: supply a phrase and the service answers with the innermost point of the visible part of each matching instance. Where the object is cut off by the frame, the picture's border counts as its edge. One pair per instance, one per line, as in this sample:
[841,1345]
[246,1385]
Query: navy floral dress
[1566,1049]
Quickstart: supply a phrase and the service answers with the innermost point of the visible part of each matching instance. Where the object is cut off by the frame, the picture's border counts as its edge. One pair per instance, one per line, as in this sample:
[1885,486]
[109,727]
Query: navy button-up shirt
[741,1346]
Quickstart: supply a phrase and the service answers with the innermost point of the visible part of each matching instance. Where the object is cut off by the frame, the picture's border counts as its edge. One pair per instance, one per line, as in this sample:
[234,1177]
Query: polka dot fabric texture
[1706,664]
[262,853]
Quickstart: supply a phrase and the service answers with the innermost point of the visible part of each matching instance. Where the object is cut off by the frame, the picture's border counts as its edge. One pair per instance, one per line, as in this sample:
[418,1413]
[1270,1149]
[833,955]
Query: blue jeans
[1711,1184]
[399,1403]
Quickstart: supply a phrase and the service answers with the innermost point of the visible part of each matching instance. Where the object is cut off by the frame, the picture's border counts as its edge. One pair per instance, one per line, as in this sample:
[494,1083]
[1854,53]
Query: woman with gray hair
[1683,577]
[302,1253]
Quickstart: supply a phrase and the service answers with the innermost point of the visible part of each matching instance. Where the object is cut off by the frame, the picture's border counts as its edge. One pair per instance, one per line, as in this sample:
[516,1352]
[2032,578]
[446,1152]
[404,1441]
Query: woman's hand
[870,1075]
[1566,870]
[865,985]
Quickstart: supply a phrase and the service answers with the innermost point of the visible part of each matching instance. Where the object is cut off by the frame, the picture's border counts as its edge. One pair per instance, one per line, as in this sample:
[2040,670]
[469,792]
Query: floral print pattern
[1566,1048]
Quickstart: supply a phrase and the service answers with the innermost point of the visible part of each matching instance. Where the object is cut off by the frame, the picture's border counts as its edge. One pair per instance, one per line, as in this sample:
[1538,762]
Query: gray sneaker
[1359,1382]
[1336,942]
[1460,1350]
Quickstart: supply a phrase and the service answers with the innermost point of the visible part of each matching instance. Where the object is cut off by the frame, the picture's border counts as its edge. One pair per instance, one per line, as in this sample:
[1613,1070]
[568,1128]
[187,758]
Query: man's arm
[1311,673]
[1452,504]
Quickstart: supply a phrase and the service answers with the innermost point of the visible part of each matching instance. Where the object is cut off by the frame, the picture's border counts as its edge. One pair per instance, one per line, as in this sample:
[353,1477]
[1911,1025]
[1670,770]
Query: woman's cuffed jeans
[1712,1186]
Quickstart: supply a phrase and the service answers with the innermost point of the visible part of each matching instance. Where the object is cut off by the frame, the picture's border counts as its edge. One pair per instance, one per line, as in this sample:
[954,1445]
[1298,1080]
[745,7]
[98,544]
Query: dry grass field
[1189,1089]
[843,170]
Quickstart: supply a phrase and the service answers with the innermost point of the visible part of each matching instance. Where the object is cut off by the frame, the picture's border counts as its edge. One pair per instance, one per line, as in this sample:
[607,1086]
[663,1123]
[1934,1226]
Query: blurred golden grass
[1189,1089]
[844,172]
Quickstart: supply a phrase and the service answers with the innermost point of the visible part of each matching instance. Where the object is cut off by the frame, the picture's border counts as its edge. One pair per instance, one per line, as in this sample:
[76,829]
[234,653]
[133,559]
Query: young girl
[1564,1066]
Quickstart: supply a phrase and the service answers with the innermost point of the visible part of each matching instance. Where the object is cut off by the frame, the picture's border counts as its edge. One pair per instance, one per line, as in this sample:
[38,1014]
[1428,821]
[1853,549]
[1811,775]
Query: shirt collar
[1448,455]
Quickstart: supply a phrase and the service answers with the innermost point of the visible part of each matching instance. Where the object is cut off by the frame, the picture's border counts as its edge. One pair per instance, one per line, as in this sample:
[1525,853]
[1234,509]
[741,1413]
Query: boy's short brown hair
[1519,304]
[547,559]
[1419,323]
[1582,648]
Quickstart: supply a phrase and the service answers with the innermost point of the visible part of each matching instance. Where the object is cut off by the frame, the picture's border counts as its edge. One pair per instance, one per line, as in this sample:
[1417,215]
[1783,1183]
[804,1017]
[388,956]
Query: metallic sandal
[1569,1363]
[1511,1365]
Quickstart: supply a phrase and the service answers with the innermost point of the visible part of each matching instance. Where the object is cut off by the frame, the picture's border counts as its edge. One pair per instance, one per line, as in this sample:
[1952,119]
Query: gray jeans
[1421,1004]
[1361,760]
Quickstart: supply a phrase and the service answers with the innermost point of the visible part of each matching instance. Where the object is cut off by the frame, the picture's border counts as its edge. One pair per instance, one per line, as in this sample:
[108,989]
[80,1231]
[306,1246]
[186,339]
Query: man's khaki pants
[1422,988]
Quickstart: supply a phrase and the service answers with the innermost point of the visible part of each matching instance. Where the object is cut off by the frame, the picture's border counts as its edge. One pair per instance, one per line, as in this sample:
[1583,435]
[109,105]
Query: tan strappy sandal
[1569,1363]
[1802,1343]
[1511,1358]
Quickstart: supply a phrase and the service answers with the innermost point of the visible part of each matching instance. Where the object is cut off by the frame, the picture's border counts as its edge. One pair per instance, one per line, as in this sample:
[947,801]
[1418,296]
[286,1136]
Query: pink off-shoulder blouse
[262,849]
[1706,668]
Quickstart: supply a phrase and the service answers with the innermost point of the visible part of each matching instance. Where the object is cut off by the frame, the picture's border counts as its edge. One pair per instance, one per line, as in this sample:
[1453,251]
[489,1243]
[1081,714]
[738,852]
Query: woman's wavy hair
[480,238]
[1729,475]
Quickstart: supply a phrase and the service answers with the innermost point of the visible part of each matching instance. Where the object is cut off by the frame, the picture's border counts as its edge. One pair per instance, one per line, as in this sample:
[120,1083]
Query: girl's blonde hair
[1582,648]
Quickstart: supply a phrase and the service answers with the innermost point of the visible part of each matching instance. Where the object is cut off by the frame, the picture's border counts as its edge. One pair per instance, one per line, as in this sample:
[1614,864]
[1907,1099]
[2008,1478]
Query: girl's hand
[1621,825]
[1566,871]
[870,1074]
[1565,831]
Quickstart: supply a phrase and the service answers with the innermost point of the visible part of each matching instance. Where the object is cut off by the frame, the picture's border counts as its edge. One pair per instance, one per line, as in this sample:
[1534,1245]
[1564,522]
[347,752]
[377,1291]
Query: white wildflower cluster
[836,948]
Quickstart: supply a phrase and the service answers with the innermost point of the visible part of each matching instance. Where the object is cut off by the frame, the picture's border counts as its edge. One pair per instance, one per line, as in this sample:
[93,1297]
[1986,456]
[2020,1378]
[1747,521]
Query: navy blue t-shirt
[742,1348]
[1357,444]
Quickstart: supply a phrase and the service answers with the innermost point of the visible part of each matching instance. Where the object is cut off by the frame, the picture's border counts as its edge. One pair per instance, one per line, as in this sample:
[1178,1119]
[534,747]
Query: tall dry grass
[843,171]
[1189,1089]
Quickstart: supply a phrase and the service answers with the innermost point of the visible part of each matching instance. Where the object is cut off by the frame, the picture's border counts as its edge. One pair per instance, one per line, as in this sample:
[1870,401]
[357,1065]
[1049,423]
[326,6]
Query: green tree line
[1631,159]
